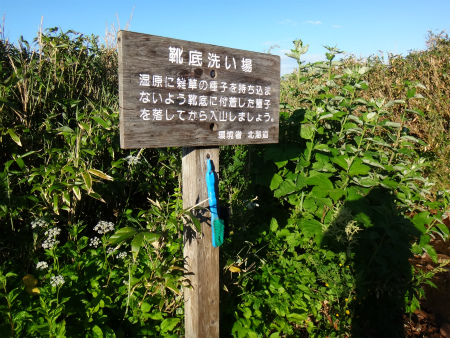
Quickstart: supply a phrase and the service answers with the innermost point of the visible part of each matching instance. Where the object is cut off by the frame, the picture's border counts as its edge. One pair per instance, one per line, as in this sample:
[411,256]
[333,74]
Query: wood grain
[201,258]
[225,112]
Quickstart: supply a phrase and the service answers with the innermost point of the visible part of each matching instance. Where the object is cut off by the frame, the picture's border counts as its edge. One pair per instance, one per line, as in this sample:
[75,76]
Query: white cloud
[313,22]
[288,22]
[336,26]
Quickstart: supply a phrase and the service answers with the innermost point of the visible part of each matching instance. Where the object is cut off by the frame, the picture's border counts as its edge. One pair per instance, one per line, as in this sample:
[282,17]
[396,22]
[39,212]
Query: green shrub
[321,225]
[336,259]
[63,178]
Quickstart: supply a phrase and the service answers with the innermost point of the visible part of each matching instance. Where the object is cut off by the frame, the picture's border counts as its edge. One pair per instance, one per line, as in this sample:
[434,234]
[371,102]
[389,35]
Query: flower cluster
[51,240]
[57,281]
[103,227]
[41,266]
[132,160]
[94,242]
[39,222]
[122,255]
[110,250]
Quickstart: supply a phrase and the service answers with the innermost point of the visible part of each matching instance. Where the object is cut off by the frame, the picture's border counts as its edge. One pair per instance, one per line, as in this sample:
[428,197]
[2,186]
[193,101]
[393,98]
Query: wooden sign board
[180,93]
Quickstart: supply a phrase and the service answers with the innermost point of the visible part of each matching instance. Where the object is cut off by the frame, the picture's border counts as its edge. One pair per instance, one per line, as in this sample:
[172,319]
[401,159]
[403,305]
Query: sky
[361,28]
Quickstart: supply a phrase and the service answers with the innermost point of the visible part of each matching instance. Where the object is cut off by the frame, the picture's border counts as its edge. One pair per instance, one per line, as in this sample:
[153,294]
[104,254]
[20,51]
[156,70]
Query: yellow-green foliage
[388,80]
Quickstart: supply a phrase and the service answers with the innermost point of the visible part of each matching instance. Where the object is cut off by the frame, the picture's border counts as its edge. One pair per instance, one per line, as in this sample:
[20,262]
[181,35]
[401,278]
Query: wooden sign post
[198,96]
[201,258]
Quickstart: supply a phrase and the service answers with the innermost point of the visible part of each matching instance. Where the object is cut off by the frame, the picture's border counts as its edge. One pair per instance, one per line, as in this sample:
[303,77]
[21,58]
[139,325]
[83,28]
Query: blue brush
[217,225]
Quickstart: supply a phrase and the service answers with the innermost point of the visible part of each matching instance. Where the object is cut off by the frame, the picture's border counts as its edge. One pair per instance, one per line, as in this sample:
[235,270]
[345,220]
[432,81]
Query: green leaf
[341,161]
[393,124]
[195,220]
[156,316]
[247,312]
[358,168]
[310,205]
[85,126]
[412,139]
[96,196]
[169,284]
[88,151]
[372,162]
[151,236]
[87,180]
[416,249]
[136,244]
[97,332]
[77,192]
[55,204]
[100,174]
[19,162]
[389,183]
[169,324]
[273,225]
[322,147]
[366,181]
[424,240]
[145,307]
[307,131]
[101,122]
[349,88]
[336,194]
[431,251]
[275,182]
[443,228]
[65,129]
[61,333]
[283,233]
[321,181]
[122,235]
[355,119]
[311,227]
[421,220]
[286,187]
[325,116]
[415,111]
[281,164]
[411,92]
[14,137]
[297,317]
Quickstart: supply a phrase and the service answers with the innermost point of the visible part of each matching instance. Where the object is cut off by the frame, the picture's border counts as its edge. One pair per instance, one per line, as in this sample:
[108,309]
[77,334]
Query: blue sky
[361,28]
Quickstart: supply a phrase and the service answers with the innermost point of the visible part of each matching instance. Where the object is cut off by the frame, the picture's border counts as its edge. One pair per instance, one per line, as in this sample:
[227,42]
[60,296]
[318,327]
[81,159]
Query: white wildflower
[41,266]
[103,227]
[320,110]
[94,242]
[122,255]
[132,160]
[53,232]
[51,240]
[39,222]
[110,250]
[57,280]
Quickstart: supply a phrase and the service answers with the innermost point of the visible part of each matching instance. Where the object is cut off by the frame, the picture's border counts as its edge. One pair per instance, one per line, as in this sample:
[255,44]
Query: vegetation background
[320,227]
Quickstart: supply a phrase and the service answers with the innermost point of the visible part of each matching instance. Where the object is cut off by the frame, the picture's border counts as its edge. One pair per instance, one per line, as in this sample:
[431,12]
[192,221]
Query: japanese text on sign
[187,93]
[214,60]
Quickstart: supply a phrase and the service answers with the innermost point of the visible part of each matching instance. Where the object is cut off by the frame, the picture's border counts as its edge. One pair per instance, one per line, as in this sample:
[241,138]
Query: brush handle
[211,186]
